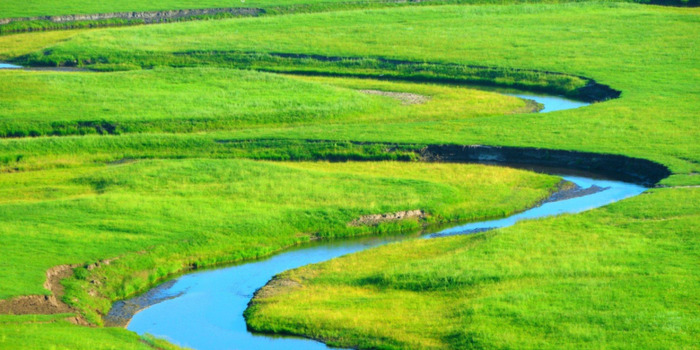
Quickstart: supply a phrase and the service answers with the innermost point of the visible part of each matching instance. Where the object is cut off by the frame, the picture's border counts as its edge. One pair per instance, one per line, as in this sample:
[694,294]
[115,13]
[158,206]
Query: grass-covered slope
[55,332]
[185,202]
[176,213]
[644,51]
[624,277]
[210,99]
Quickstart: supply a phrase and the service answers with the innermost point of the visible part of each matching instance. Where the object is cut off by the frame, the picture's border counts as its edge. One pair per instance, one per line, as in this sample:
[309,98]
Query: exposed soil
[42,304]
[376,219]
[122,311]
[569,192]
[274,286]
[406,98]
[618,167]
[145,16]
[48,304]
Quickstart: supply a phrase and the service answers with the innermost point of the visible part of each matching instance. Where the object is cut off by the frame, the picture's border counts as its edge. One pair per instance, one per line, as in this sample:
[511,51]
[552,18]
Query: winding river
[204,309]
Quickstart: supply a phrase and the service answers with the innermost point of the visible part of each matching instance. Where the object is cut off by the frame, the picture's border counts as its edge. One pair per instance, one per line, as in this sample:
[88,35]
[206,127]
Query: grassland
[15,8]
[206,212]
[54,332]
[174,190]
[624,276]
[623,49]
[210,99]
[40,15]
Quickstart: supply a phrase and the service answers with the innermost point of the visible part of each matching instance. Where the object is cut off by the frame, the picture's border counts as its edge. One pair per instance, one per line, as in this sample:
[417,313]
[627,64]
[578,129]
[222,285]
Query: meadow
[162,216]
[167,100]
[161,154]
[646,52]
[624,276]
[31,8]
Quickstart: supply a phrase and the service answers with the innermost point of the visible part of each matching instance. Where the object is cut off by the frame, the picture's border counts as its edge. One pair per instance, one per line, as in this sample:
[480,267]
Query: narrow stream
[551,103]
[204,310]
[9,66]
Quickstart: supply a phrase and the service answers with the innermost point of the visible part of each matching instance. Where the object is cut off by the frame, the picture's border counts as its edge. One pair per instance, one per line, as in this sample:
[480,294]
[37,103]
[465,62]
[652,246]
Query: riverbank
[643,51]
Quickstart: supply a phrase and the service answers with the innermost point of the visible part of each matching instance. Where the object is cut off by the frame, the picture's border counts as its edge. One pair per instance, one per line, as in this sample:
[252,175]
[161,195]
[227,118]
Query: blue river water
[204,310]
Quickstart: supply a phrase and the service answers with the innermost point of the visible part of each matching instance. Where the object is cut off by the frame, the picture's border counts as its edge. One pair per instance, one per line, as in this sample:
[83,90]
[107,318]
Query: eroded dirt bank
[42,304]
[635,170]
[144,16]
[48,304]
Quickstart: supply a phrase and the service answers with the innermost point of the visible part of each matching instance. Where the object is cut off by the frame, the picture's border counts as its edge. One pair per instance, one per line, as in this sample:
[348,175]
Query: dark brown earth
[42,304]
[48,304]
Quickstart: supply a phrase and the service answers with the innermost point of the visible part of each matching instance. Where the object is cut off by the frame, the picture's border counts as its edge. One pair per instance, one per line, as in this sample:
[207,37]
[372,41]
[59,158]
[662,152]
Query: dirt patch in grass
[48,304]
[42,304]
[376,219]
[406,98]
[276,285]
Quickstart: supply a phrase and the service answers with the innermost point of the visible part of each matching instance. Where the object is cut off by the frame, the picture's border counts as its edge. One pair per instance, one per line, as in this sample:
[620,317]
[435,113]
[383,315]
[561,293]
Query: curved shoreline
[231,288]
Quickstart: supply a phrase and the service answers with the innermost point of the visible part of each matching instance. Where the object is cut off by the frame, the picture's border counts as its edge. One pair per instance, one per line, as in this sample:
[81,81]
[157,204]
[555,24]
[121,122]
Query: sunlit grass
[183,212]
[622,276]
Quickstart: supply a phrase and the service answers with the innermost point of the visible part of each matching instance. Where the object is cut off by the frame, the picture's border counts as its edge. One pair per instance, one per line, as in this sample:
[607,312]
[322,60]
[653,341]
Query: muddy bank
[628,169]
[42,304]
[52,303]
[122,311]
[143,17]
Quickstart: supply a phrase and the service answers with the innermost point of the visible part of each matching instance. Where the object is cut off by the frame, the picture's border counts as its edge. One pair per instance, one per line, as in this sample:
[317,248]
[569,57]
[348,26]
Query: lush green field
[166,193]
[16,8]
[53,332]
[647,52]
[624,277]
[204,212]
[170,100]
[209,99]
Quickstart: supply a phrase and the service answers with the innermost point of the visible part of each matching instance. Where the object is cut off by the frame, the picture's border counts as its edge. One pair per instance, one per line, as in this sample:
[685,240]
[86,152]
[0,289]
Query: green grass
[646,52]
[208,99]
[207,212]
[15,8]
[624,276]
[54,332]
[34,8]
[166,100]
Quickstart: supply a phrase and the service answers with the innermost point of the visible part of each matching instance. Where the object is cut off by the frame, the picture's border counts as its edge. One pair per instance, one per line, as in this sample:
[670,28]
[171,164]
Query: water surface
[9,66]
[205,309]
[551,103]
